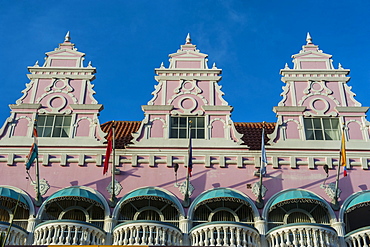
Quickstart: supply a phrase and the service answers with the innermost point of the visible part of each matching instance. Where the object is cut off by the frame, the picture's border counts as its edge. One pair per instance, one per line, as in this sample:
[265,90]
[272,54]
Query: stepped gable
[187,90]
[317,103]
[251,132]
[60,96]
[124,130]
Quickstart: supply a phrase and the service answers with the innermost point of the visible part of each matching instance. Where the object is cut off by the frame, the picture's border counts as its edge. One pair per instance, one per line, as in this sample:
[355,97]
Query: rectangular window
[180,127]
[53,126]
[322,128]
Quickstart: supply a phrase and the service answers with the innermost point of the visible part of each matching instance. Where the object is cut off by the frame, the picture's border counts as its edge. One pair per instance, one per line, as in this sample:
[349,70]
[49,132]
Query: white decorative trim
[155,92]
[56,109]
[351,95]
[182,188]
[220,94]
[169,102]
[285,92]
[25,92]
[57,91]
[92,127]
[44,186]
[117,188]
[330,190]
[91,93]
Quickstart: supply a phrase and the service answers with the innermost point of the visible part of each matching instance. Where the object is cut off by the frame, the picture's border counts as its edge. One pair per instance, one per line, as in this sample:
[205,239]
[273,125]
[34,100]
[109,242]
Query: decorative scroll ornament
[44,186]
[59,84]
[330,190]
[256,189]
[182,188]
[188,86]
[117,188]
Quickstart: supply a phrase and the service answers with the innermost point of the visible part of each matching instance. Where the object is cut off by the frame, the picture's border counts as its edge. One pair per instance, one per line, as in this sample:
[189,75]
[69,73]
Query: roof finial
[214,66]
[340,66]
[162,66]
[188,39]
[309,39]
[67,38]
[286,66]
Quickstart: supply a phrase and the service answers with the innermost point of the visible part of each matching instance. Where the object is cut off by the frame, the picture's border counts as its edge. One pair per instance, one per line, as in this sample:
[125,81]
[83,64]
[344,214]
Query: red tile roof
[123,131]
[251,132]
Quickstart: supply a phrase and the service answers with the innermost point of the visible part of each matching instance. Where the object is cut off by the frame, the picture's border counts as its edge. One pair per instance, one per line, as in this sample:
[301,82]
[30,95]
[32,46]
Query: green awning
[6,194]
[361,200]
[76,193]
[147,192]
[293,196]
[218,194]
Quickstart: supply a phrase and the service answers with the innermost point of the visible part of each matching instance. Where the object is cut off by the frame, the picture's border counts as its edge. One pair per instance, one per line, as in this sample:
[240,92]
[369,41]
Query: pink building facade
[148,197]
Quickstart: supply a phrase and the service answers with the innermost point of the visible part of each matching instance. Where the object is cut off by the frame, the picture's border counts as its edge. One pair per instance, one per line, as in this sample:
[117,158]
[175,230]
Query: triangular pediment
[65,52]
[188,54]
[312,54]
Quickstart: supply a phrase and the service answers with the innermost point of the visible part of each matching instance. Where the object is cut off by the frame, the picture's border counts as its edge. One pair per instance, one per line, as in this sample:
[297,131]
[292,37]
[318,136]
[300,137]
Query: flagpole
[113,198]
[11,223]
[186,202]
[38,201]
[260,202]
[334,202]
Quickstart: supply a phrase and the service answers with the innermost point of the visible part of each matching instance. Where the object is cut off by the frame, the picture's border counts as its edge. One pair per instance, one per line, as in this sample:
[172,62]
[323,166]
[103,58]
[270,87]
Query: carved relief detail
[74,99]
[187,87]
[316,111]
[59,84]
[169,102]
[317,88]
[187,110]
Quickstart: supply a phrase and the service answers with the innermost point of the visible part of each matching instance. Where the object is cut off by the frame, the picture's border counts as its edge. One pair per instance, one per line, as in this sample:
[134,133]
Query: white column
[185,225]
[108,226]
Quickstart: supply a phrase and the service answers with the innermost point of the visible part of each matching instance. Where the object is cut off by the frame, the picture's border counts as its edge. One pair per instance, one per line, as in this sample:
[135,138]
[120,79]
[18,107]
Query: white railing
[16,236]
[359,237]
[302,235]
[224,234]
[146,233]
[68,232]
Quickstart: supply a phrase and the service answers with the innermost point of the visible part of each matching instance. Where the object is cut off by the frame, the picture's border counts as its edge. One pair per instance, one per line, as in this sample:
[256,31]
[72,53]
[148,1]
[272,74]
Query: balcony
[302,234]
[17,236]
[359,237]
[224,233]
[68,232]
[144,232]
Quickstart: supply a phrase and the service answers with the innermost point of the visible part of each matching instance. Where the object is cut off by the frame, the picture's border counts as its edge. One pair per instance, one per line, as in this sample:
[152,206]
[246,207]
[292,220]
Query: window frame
[54,126]
[181,130]
[321,129]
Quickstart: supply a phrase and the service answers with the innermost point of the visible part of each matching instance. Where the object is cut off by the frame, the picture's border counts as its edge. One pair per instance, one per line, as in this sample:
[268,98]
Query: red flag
[109,151]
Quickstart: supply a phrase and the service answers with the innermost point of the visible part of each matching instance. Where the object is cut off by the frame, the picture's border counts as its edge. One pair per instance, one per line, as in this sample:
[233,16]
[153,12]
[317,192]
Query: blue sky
[125,40]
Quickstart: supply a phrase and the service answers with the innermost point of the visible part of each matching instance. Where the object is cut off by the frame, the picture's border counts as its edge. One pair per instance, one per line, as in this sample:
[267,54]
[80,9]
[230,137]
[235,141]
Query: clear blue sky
[125,40]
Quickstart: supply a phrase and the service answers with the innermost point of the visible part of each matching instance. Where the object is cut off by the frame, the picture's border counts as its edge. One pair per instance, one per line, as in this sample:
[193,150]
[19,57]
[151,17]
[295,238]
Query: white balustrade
[146,233]
[16,235]
[303,235]
[224,234]
[358,238]
[68,233]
